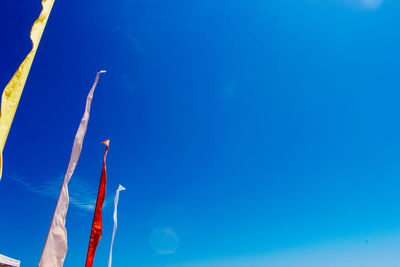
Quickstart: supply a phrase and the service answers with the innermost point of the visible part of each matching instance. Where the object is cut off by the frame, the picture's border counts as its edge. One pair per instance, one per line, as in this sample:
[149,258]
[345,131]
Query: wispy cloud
[370,4]
[366,4]
[359,4]
[371,252]
[81,194]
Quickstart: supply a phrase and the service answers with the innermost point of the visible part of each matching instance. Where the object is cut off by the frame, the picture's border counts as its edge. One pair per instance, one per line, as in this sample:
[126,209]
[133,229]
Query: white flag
[55,248]
[120,188]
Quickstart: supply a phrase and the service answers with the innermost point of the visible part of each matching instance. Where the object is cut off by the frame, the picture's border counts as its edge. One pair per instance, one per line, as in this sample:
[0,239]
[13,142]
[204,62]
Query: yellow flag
[12,92]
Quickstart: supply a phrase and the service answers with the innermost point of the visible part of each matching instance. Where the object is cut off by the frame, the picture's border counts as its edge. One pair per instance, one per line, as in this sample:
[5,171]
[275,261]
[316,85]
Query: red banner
[97,227]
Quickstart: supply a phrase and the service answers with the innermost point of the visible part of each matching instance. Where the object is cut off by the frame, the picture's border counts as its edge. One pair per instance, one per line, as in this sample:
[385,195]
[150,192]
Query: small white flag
[120,188]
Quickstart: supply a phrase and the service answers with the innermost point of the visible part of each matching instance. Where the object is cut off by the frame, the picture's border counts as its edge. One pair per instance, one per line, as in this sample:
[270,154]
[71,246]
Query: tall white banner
[120,188]
[55,248]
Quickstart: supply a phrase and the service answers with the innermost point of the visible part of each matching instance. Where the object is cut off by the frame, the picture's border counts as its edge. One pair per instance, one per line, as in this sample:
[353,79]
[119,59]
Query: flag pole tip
[107,142]
[102,71]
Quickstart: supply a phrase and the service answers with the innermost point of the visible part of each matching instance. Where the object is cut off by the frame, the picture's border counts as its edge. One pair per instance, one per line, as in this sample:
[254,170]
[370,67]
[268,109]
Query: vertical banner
[97,226]
[13,91]
[55,248]
[120,188]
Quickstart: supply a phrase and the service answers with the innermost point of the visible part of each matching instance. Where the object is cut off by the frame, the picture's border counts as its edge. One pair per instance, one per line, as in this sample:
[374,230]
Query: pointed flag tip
[120,187]
[107,142]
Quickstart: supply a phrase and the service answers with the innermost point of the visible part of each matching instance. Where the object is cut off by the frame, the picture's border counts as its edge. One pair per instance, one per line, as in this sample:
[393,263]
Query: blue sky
[255,133]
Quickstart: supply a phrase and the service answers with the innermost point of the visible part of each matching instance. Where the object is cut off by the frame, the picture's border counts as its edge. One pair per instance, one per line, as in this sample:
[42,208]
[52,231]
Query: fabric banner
[120,188]
[55,248]
[13,91]
[97,226]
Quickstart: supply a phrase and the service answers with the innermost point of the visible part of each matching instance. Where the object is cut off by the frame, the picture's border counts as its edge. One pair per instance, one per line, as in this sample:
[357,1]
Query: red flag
[97,227]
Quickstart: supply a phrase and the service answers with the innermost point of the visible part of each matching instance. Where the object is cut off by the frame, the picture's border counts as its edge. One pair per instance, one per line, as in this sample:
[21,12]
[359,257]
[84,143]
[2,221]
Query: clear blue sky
[244,131]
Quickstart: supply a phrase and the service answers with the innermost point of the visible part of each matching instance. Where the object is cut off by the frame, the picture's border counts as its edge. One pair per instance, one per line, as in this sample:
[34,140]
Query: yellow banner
[12,92]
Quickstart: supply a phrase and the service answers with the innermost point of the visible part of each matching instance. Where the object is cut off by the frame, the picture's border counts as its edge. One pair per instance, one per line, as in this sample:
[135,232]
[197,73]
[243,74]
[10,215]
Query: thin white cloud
[365,4]
[362,252]
[359,4]
[371,4]
[81,194]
